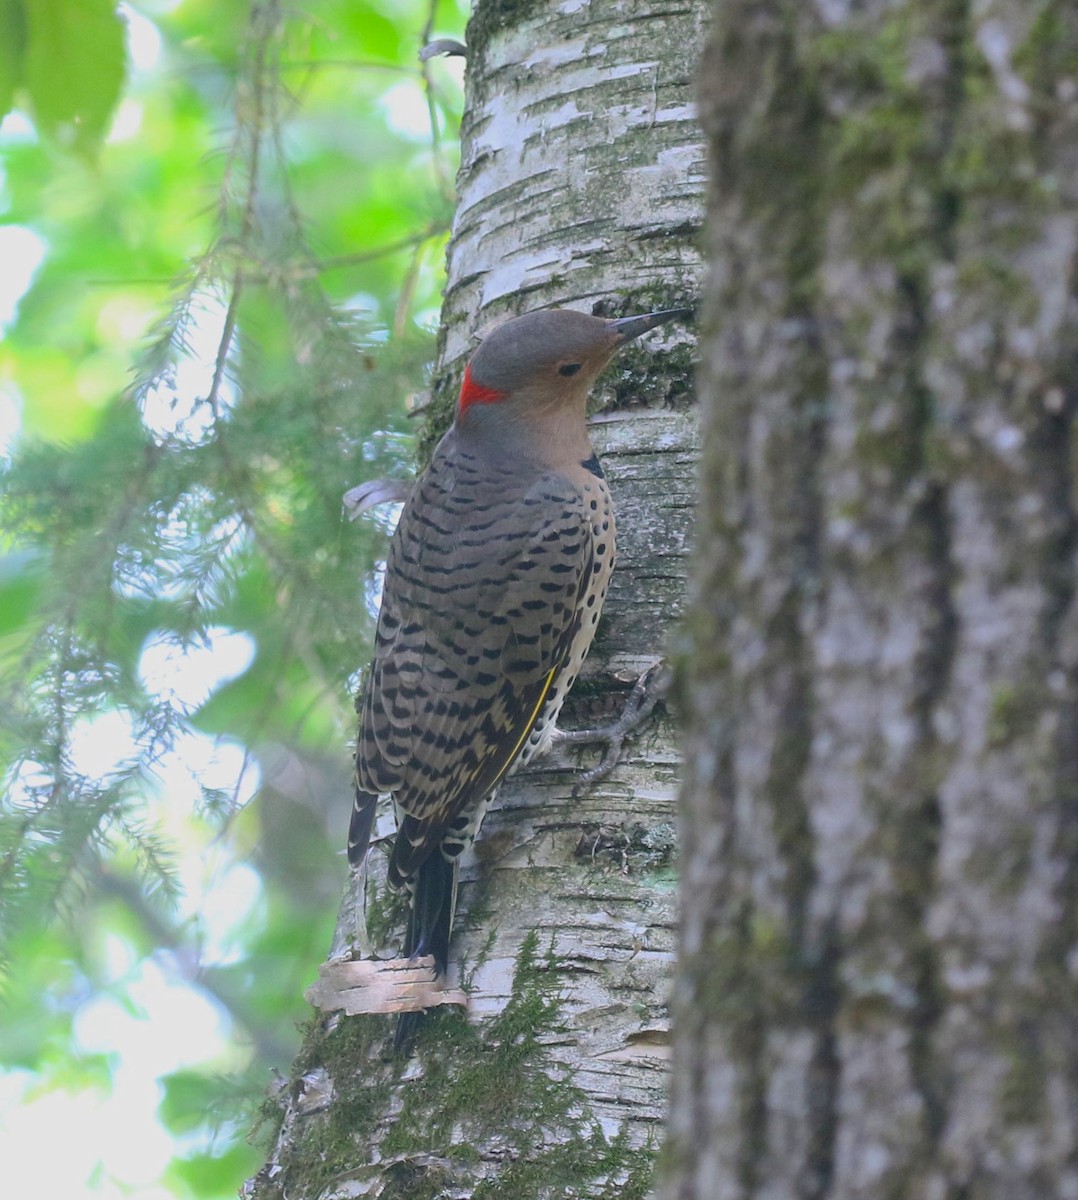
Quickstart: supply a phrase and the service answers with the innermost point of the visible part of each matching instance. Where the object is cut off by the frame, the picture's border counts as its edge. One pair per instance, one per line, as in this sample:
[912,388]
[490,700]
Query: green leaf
[12,47]
[74,69]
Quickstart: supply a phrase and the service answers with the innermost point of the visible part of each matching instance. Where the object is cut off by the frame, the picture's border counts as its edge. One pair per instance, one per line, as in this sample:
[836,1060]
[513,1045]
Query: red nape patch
[472,393]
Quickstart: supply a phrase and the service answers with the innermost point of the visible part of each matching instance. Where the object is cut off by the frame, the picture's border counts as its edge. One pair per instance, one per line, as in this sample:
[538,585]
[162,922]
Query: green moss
[386,913]
[881,126]
[1049,54]
[593,1166]
[1014,713]
[414,1180]
[332,1139]
[474,1080]
[438,415]
[892,154]
[639,378]
[740,970]
[905,155]
[477,1084]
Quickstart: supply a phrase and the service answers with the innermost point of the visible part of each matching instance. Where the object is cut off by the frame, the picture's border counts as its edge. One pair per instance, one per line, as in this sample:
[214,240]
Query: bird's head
[546,360]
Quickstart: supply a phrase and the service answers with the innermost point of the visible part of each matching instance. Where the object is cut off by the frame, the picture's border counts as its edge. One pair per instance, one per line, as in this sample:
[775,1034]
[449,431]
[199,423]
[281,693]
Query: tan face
[546,349]
[549,358]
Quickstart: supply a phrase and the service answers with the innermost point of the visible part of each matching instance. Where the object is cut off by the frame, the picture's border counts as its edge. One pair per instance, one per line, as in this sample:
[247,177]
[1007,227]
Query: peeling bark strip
[366,985]
[581,185]
[876,993]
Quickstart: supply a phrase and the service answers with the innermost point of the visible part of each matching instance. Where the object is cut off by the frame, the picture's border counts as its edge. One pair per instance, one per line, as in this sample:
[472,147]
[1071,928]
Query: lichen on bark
[878,810]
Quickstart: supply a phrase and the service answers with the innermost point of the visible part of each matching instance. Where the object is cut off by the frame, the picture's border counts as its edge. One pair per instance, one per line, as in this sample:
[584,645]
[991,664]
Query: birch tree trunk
[877,982]
[582,184]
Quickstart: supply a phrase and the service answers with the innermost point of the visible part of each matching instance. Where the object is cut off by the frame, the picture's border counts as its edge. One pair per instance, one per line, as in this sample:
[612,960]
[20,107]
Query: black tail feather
[429,927]
[364,808]
[431,918]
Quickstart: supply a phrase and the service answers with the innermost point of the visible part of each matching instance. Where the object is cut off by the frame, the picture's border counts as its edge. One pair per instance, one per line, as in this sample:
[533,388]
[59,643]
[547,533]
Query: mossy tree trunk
[582,184]
[877,985]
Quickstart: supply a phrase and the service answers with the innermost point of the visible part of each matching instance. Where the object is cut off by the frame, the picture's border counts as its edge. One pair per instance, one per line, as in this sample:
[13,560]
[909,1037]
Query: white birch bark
[581,185]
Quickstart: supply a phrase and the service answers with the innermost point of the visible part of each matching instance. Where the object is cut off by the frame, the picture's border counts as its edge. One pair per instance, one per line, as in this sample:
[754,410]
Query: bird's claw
[649,689]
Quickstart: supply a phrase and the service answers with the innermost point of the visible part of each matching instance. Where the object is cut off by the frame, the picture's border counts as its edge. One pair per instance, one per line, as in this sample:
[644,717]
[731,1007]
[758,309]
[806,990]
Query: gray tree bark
[877,986]
[582,184]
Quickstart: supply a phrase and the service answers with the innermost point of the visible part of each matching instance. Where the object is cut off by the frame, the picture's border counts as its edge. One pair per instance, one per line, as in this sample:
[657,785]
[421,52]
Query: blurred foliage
[242,208]
[68,58]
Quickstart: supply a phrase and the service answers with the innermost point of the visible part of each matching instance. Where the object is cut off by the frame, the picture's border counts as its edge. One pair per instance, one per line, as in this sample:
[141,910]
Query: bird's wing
[479,610]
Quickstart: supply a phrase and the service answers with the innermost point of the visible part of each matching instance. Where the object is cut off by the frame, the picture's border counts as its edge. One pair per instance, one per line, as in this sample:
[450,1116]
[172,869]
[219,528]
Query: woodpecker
[494,583]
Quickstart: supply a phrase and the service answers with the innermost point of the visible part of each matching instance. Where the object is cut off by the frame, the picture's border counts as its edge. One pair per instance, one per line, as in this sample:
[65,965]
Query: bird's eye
[569,369]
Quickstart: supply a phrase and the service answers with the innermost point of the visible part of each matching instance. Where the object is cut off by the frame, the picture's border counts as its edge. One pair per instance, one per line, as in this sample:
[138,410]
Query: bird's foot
[648,690]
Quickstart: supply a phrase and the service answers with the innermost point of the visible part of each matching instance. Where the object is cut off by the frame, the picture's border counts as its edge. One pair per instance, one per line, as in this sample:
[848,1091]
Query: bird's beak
[627,328]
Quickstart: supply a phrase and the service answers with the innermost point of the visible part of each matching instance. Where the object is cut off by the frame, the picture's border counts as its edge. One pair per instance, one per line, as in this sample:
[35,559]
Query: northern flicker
[494,584]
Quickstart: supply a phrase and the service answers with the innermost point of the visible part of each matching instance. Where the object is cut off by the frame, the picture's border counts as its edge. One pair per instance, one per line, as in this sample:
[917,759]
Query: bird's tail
[430,924]
[431,920]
